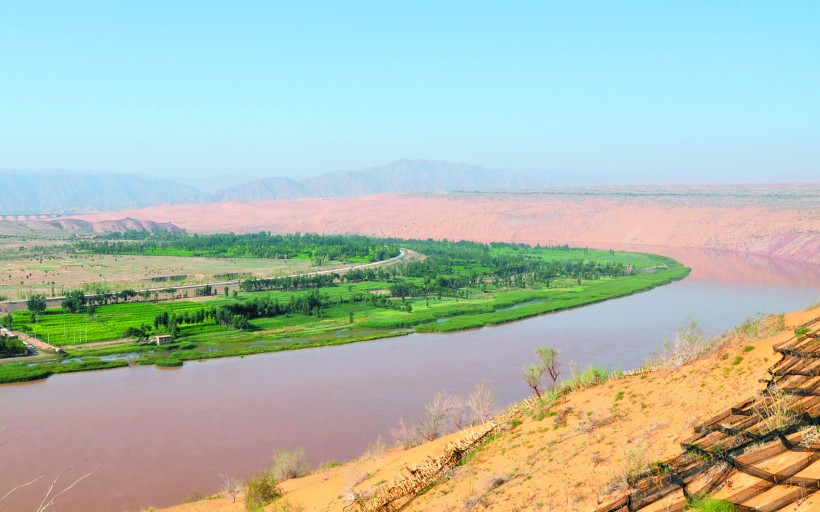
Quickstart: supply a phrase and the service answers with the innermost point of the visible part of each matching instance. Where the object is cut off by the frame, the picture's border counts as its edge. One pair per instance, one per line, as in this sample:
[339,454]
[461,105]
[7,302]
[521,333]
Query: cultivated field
[451,287]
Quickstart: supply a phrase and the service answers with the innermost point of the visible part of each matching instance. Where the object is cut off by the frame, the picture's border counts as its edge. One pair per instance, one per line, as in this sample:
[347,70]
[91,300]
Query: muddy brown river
[163,433]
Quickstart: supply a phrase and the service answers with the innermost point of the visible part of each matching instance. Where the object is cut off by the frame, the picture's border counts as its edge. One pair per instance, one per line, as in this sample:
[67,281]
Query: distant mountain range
[71,192]
[402,177]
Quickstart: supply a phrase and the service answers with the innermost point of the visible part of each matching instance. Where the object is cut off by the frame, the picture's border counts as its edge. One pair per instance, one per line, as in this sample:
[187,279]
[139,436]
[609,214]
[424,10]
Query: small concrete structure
[162,339]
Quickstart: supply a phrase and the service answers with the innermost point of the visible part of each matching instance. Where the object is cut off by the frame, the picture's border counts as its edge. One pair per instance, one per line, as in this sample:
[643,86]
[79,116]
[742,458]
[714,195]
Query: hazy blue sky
[712,91]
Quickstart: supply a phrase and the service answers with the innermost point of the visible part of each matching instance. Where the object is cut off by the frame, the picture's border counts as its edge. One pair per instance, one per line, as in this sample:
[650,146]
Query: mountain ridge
[53,191]
[47,191]
[399,177]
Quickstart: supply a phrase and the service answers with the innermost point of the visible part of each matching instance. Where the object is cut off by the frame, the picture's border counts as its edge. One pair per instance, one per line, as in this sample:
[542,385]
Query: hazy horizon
[637,93]
[563,179]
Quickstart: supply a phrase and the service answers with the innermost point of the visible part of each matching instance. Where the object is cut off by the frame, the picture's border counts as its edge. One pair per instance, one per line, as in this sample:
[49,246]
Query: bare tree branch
[51,487]
[51,502]
[46,502]
[19,487]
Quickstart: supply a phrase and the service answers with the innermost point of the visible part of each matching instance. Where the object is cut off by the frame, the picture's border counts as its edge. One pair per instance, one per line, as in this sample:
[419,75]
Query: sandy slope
[773,227]
[541,465]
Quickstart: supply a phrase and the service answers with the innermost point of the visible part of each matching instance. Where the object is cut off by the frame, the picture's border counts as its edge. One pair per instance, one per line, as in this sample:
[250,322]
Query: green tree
[547,365]
[74,301]
[36,305]
[140,333]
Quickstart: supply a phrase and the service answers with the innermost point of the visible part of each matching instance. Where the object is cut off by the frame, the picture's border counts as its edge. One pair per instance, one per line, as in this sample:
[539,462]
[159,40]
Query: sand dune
[777,229]
[545,464]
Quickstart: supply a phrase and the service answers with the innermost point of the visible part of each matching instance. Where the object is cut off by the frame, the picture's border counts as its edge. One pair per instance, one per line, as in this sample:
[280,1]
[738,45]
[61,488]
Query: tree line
[235,315]
[318,248]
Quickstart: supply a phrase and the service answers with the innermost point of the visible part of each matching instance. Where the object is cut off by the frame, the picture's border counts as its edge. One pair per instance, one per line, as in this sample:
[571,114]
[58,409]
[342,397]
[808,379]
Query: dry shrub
[444,414]
[406,434]
[598,417]
[357,475]
[757,327]
[289,464]
[687,345]
[376,450]
[635,463]
[777,410]
[810,436]
[482,404]
[231,486]
[690,344]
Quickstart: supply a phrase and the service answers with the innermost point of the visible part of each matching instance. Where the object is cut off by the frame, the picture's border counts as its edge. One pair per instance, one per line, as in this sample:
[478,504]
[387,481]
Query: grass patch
[470,455]
[168,363]
[21,372]
[710,505]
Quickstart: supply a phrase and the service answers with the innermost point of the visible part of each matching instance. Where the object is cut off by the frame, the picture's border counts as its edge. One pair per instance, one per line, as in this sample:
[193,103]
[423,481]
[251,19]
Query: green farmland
[454,286]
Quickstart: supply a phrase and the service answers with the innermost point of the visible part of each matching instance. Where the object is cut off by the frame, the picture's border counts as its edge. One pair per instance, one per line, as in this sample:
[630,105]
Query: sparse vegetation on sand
[592,439]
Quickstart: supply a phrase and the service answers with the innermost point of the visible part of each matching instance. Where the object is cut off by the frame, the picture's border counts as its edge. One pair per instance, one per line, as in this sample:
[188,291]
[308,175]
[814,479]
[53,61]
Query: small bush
[482,404]
[592,376]
[737,360]
[376,450]
[443,415]
[748,348]
[291,464]
[777,410]
[688,344]
[193,496]
[635,463]
[407,434]
[262,490]
[231,486]
[515,422]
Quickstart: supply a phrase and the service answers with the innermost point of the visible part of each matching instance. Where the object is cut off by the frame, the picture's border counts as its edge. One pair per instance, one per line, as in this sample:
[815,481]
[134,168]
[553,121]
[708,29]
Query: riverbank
[335,314]
[571,454]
